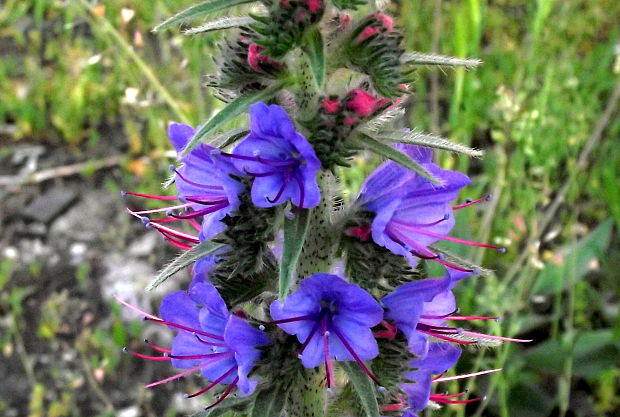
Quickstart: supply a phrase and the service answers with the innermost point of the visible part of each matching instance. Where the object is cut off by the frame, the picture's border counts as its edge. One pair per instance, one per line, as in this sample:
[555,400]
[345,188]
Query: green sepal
[219,24]
[199,10]
[314,48]
[270,401]
[395,155]
[294,237]
[363,386]
[188,257]
[232,110]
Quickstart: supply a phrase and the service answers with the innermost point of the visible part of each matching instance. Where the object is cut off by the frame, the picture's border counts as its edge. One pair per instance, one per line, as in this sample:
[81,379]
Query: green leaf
[363,386]
[198,10]
[232,110]
[417,58]
[294,237]
[314,47]
[574,260]
[186,258]
[228,138]
[219,24]
[270,401]
[425,139]
[395,155]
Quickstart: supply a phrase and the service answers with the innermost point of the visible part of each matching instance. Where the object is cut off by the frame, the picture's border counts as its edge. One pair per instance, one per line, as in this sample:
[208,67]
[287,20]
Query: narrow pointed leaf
[232,110]
[314,47]
[185,259]
[425,139]
[295,231]
[418,58]
[228,138]
[199,10]
[395,155]
[363,386]
[219,24]
[270,402]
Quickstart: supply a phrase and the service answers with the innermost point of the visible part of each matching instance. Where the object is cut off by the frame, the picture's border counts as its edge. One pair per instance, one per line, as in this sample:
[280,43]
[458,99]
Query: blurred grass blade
[364,387]
[199,10]
[395,155]
[232,110]
[185,259]
[314,47]
[576,259]
[425,139]
[219,24]
[101,23]
[418,58]
[294,237]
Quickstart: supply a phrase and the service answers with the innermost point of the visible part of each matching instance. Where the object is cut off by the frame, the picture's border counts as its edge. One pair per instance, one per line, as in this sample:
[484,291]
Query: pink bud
[388,22]
[314,5]
[330,105]
[362,103]
[366,33]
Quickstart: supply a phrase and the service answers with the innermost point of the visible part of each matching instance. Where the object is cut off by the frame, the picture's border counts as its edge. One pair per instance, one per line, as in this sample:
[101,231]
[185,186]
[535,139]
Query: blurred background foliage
[90,79]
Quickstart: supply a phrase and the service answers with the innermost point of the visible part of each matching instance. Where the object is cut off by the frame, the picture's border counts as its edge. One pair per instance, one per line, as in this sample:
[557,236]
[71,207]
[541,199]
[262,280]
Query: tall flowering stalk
[300,300]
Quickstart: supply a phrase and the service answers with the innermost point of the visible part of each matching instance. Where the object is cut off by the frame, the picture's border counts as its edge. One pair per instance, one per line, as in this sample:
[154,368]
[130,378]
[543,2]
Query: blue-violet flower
[280,159]
[211,340]
[332,319]
[411,212]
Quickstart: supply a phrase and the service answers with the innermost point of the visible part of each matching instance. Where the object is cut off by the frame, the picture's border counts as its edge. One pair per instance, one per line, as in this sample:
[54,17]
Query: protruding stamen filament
[210,343]
[293,319]
[181,374]
[203,356]
[470,318]
[157,348]
[346,344]
[448,339]
[440,399]
[302,191]
[452,239]
[136,309]
[471,203]
[153,197]
[329,370]
[181,327]
[310,336]
[204,186]
[225,393]
[202,212]
[214,383]
[287,179]
[147,357]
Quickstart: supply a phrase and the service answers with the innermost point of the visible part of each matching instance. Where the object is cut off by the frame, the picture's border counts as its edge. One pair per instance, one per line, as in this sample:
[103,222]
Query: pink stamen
[394,407]
[471,203]
[164,209]
[293,319]
[150,358]
[203,356]
[201,212]
[175,233]
[442,401]
[196,184]
[181,374]
[453,378]
[177,244]
[447,397]
[448,238]
[157,348]
[225,393]
[136,309]
[153,197]
[470,318]
[210,343]
[346,344]
[214,383]
[181,327]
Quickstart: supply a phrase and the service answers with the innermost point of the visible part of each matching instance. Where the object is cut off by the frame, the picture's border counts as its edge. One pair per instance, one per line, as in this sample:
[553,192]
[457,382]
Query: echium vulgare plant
[304,303]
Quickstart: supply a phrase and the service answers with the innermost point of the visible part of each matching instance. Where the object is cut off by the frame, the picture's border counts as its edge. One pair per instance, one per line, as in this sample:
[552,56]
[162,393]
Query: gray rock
[47,206]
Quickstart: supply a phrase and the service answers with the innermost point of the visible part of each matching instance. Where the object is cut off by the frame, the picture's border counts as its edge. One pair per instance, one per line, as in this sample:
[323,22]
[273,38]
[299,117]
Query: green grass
[549,70]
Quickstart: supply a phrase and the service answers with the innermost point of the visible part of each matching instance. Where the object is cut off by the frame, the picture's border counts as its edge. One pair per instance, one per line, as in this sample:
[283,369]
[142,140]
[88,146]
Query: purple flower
[220,345]
[332,319]
[422,308]
[207,192]
[281,160]
[411,212]
[440,358]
